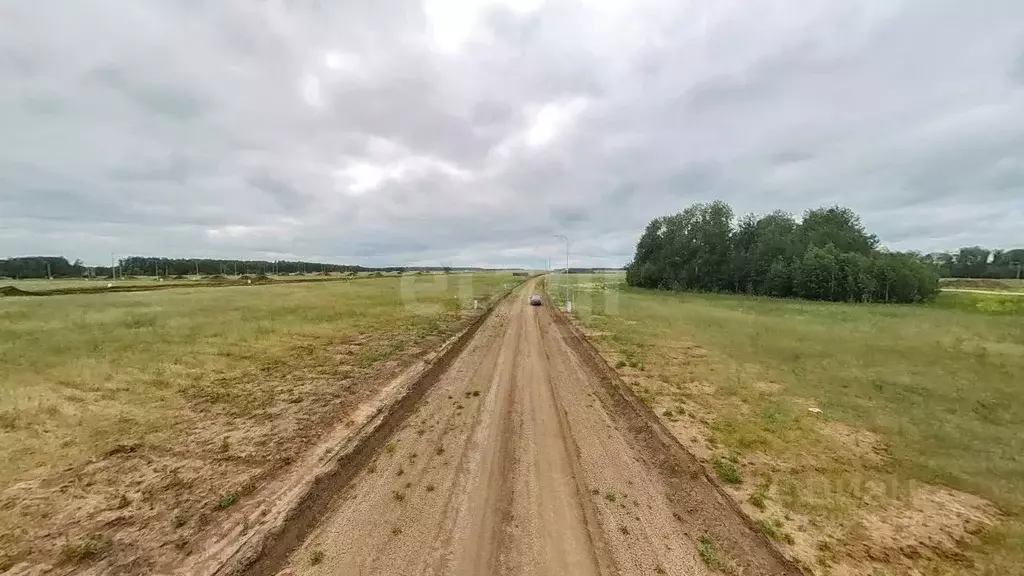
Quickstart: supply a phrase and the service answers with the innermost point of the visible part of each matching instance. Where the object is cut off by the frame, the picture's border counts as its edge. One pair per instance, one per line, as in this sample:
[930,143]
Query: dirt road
[991,292]
[524,459]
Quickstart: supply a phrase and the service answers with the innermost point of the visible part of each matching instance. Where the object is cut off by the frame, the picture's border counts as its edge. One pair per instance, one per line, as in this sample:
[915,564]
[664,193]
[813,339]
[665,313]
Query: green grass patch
[708,551]
[227,500]
[774,529]
[727,471]
[87,548]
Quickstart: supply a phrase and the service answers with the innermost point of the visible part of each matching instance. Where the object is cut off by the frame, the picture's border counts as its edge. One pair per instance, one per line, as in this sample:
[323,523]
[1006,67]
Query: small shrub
[773,530]
[620,364]
[708,552]
[87,548]
[316,557]
[390,447]
[227,500]
[610,496]
[430,488]
[727,471]
[399,496]
[8,420]
[760,495]
[757,500]
[180,517]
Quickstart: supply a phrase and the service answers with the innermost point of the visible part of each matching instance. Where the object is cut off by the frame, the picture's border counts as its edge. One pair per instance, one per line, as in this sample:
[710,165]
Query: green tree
[779,280]
[838,226]
[971,262]
[819,274]
[826,256]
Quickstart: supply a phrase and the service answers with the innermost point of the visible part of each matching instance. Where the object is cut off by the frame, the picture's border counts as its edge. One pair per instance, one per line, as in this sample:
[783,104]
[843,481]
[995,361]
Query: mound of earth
[215,278]
[12,291]
[179,277]
[245,278]
[975,283]
[262,278]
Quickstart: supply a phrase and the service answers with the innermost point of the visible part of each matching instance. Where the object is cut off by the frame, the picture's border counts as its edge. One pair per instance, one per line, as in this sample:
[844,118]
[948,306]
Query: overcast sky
[468,132]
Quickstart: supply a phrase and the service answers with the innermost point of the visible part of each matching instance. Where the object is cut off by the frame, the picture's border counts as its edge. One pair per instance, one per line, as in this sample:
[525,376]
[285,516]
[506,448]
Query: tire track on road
[524,458]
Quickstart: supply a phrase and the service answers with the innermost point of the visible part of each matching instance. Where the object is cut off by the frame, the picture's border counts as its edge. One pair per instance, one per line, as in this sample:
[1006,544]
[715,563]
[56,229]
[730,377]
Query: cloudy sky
[469,131]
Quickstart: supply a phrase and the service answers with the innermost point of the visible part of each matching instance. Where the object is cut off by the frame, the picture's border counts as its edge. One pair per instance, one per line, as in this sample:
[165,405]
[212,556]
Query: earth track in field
[522,455]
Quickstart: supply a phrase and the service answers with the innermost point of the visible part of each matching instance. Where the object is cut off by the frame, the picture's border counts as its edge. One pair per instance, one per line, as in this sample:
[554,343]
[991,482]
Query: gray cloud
[428,132]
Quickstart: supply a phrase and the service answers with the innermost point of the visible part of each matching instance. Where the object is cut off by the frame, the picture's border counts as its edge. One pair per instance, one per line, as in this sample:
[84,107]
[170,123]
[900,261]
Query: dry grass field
[131,418]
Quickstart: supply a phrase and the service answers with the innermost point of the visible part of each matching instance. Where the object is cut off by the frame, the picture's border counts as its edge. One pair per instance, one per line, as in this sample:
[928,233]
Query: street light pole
[568,296]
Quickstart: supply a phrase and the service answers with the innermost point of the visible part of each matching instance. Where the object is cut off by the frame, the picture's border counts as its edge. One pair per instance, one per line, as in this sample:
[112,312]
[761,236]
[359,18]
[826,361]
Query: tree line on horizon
[825,255]
[978,262]
[60,267]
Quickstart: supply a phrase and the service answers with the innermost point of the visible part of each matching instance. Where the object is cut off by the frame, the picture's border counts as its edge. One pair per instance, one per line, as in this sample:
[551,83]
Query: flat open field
[44,285]
[128,421]
[147,427]
[914,461]
[983,284]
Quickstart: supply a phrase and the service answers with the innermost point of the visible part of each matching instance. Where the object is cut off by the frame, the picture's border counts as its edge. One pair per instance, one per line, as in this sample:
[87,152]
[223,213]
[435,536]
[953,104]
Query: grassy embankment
[920,410]
[164,404]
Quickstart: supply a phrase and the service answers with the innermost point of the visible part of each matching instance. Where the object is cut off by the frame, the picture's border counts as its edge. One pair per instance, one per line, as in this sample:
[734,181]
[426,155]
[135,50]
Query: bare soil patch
[933,523]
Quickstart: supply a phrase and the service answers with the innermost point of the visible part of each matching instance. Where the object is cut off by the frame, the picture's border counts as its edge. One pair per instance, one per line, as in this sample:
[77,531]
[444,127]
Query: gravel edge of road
[627,407]
[266,553]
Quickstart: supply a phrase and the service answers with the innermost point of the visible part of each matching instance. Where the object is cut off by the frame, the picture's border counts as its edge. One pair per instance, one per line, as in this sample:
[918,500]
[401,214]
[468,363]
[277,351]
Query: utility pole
[49,275]
[568,295]
[113,271]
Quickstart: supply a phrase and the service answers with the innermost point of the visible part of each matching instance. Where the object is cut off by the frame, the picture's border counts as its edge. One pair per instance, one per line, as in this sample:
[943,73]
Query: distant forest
[60,267]
[825,255]
[978,262]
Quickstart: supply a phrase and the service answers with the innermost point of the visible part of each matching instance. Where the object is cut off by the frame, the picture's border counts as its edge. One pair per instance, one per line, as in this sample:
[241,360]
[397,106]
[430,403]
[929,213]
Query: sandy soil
[973,291]
[526,455]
